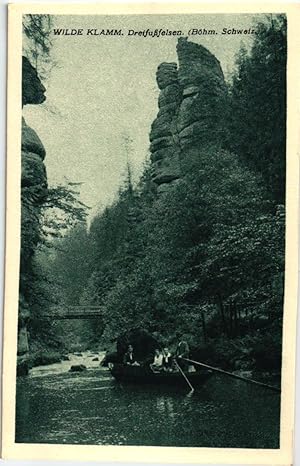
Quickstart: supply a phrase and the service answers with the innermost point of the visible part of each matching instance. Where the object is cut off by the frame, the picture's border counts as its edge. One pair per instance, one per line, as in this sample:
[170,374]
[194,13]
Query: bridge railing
[74,312]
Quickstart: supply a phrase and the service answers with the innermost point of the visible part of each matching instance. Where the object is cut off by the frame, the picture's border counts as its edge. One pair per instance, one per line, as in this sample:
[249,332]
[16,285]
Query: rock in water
[77,368]
[191,109]
[65,357]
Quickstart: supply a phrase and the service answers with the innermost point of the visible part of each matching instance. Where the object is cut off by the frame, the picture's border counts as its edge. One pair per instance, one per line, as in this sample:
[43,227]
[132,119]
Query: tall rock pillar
[191,105]
[201,113]
[33,193]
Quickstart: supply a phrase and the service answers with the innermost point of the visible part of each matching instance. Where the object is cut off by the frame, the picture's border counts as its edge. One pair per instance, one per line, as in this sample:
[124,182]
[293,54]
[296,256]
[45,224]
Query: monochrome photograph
[152,232]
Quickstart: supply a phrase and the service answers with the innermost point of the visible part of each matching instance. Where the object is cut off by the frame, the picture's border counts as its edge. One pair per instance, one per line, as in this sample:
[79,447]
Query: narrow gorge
[195,248]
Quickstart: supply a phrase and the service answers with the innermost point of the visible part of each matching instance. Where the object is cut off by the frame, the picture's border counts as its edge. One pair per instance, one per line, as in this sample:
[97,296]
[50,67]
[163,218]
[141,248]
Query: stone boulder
[111,356]
[31,142]
[143,344]
[33,170]
[33,91]
[77,368]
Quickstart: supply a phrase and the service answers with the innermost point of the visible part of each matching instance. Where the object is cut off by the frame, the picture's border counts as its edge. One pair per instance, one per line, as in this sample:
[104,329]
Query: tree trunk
[236,320]
[203,326]
[230,320]
[221,308]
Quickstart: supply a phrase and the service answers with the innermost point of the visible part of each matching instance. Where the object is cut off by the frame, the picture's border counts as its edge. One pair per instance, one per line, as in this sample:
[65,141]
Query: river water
[57,406]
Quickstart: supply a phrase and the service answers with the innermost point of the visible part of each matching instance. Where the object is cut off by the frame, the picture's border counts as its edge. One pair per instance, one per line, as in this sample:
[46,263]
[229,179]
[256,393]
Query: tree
[37,45]
[62,210]
[257,114]
[56,213]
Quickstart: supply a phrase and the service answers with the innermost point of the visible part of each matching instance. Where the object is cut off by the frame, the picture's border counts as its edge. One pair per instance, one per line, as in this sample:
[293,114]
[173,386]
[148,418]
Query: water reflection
[91,408]
[165,407]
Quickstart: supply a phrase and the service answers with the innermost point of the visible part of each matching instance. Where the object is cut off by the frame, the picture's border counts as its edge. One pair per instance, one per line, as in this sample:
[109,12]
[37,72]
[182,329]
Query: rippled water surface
[56,406]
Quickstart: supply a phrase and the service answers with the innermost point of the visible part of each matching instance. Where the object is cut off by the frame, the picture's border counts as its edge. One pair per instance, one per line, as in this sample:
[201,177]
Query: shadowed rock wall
[191,108]
[33,193]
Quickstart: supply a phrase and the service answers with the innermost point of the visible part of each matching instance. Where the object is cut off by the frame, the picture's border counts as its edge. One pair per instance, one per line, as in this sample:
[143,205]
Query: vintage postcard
[152,210]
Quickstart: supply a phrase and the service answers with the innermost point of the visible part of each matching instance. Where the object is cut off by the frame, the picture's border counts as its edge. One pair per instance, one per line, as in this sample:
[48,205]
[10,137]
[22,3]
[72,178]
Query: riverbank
[42,355]
[86,359]
[45,357]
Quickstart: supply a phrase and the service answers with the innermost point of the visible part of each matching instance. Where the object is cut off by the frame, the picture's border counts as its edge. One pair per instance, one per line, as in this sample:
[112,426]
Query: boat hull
[144,376]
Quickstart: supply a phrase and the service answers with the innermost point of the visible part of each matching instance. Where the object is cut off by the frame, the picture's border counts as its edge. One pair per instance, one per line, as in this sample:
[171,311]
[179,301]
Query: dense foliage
[257,113]
[40,289]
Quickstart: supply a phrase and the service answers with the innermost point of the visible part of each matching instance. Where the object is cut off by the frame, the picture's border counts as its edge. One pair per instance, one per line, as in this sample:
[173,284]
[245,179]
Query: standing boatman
[182,351]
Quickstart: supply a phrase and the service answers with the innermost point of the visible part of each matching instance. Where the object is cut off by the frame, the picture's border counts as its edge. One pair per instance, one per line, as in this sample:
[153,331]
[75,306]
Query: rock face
[164,150]
[191,107]
[33,91]
[33,193]
[143,344]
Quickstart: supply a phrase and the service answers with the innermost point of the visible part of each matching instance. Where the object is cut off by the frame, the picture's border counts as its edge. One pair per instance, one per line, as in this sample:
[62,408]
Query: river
[58,406]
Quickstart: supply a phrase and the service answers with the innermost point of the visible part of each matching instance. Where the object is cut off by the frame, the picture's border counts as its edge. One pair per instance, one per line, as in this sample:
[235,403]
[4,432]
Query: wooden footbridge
[74,312]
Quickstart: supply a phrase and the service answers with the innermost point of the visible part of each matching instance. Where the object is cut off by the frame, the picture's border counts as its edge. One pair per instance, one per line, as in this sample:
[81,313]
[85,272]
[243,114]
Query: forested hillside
[196,249]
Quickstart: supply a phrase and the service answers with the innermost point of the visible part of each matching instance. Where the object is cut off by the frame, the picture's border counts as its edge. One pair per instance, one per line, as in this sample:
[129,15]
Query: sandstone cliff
[33,193]
[191,107]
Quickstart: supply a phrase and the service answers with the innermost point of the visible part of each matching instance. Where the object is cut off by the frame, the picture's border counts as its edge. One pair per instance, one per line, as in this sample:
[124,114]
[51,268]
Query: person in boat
[167,360]
[182,351]
[157,364]
[129,358]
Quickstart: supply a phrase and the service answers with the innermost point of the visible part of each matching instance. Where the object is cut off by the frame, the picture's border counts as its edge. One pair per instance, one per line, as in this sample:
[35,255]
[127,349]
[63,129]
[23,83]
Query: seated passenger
[157,362]
[167,359]
[129,357]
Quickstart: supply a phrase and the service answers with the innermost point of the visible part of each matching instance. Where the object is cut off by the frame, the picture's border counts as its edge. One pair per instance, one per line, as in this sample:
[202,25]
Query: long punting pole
[276,389]
[183,374]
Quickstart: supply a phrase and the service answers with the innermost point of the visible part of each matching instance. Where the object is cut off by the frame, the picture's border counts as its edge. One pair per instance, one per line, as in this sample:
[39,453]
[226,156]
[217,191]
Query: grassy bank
[45,357]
